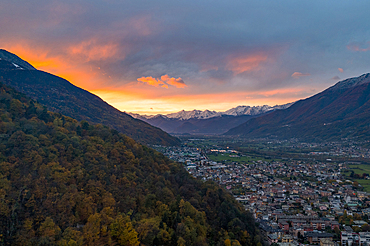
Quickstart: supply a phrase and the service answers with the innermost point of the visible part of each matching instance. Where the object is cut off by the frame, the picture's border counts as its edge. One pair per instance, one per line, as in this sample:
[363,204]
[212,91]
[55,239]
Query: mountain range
[207,114]
[207,122]
[61,96]
[341,111]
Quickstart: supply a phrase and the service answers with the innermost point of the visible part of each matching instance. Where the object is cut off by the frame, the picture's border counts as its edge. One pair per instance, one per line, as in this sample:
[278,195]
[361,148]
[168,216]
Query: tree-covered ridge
[64,182]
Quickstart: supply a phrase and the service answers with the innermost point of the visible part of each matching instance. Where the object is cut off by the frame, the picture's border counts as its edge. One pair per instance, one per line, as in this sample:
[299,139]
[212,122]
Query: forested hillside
[64,182]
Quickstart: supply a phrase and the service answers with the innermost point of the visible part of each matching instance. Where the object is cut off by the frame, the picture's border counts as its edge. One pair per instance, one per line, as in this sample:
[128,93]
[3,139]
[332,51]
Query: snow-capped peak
[351,82]
[196,114]
[206,114]
[247,110]
[254,110]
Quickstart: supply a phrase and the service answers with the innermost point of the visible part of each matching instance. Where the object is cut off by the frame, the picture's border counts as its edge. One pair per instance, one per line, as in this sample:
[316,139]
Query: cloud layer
[238,49]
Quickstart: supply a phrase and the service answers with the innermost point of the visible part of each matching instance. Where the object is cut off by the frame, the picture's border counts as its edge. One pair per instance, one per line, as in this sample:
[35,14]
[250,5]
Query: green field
[365,183]
[226,157]
[360,169]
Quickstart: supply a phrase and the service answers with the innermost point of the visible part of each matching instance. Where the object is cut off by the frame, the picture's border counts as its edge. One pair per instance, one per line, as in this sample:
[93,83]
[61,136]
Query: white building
[348,238]
[364,238]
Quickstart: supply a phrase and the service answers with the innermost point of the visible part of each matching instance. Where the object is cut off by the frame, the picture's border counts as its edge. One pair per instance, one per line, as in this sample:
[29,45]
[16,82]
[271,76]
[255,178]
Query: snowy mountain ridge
[207,114]
[351,82]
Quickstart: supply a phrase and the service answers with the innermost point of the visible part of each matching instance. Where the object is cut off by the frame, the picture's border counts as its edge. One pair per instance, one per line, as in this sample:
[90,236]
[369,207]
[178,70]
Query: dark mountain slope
[64,182]
[61,96]
[341,111]
[7,56]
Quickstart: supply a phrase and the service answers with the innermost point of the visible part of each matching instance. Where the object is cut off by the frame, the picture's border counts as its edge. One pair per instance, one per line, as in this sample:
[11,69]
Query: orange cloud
[242,64]
[298,75]
[340,70]
[355,47]
[133,97]
[150,102]
[164,81]
[152,81]
[61,65]
[179,83]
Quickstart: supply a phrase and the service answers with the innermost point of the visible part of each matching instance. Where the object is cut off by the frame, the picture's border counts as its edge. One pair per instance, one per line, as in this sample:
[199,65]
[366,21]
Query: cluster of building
[345,148]
[293,201]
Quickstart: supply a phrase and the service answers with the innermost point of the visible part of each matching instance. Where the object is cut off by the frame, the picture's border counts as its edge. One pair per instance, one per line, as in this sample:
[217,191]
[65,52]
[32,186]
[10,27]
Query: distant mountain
[341,111]
[207,122]
[207,114]
[194,114]
[61,96]
[254,110]
[215,125]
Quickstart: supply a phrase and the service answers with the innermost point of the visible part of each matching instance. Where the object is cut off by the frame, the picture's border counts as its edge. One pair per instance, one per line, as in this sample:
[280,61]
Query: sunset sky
[163,56]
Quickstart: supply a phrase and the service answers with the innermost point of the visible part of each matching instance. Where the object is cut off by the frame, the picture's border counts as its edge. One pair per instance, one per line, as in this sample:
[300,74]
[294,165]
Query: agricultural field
[358,171]
[360,168]
[364,183]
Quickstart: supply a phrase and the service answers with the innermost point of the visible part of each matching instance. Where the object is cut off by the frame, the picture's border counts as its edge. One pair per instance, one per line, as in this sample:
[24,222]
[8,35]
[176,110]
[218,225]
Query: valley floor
[298,192]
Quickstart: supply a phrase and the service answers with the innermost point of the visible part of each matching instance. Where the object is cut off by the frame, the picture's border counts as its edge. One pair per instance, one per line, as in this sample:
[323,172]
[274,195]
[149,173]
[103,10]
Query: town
[294,202]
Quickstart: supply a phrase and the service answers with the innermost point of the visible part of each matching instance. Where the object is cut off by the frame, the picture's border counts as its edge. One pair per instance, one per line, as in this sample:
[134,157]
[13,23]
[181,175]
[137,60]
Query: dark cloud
[233,46]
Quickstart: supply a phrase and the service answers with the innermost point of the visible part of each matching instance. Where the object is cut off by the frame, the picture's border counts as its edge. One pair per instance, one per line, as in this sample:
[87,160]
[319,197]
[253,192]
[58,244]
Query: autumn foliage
[64,182]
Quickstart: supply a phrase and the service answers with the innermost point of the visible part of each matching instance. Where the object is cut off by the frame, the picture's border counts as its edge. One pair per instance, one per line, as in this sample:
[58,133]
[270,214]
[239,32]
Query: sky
[164,56]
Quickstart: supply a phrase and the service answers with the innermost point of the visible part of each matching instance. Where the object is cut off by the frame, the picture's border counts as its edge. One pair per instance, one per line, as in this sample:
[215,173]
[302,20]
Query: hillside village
[294,202]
